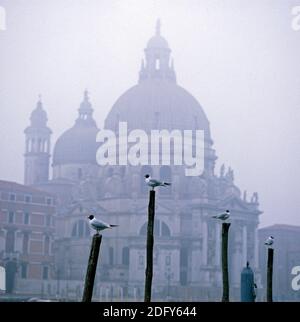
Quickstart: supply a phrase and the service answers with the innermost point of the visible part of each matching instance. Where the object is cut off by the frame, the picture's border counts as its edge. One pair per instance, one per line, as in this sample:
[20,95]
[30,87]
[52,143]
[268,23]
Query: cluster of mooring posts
[248,285]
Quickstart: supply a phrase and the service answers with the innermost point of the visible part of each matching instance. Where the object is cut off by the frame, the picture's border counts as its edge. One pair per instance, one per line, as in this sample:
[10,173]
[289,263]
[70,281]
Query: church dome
[78,144]
[158,105]
[157,102]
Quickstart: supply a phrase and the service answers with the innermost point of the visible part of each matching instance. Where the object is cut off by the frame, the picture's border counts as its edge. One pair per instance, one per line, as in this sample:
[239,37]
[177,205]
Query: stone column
[204,271]
[204,242]
[255,264]
[237,264]
[218,244]
[237,256]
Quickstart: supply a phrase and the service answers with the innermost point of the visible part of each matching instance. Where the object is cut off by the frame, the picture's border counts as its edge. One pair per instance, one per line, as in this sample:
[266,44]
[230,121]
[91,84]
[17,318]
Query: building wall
[26,233]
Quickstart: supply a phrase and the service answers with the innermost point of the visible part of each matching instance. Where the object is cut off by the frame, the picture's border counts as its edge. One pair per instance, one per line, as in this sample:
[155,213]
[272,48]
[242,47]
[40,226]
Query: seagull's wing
[99,224]
[155,182]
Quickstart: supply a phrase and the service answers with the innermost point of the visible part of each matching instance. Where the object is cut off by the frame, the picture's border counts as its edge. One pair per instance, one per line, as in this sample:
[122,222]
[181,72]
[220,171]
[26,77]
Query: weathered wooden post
[225,229]
[150,242]
[91,269]
[270,275]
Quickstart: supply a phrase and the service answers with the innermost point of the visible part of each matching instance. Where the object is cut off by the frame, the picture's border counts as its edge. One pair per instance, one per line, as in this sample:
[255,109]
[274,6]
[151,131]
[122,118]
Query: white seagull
[223,216]
[269,241]
[155,183]
[99,225]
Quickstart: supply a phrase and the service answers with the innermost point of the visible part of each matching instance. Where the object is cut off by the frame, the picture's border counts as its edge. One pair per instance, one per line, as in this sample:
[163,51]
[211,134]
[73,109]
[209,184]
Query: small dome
[38,116]
[76,145]
[157,42]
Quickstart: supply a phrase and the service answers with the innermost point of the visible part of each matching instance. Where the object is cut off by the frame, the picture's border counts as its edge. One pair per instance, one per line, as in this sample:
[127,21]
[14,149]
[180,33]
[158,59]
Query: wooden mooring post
[270,275]
[91,269]
[150,243]
[225,229]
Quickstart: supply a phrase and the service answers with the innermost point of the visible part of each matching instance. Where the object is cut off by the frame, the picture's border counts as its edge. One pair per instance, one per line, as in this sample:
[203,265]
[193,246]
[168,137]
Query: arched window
[80,229]
[165,174]
[125,256]
[165,230]
[146,169]
[161,229]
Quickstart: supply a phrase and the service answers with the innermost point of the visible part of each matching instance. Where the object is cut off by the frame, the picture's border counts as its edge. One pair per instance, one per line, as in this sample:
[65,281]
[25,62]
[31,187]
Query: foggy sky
[240,59]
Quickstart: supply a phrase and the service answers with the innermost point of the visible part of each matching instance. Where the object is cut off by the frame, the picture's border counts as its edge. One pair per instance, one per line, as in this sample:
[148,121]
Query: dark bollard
[91,269]
[150,242]
[247,285]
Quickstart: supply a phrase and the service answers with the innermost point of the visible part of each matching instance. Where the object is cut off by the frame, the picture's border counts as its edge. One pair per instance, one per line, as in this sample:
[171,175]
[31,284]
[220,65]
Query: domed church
[187,248]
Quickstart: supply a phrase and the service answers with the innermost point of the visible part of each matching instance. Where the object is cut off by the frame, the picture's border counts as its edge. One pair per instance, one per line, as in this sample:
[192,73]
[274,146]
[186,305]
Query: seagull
[269,241]
[99,225]
[155,183]
[223,216]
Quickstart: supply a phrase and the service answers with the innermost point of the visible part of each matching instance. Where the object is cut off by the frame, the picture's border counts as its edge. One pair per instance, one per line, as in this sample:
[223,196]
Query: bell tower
[37,147]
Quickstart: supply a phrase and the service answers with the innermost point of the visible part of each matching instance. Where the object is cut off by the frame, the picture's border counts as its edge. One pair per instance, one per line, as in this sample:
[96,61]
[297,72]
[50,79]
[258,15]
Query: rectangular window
[26,218]
[47,245]
[45,272]
[28,199]
[48,220]
[168,260]
[25,243]
[12,197]
[141,260]
[157,64]
[10,241]
[24,270]
[49,201]
[11,217]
